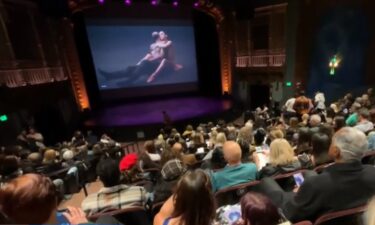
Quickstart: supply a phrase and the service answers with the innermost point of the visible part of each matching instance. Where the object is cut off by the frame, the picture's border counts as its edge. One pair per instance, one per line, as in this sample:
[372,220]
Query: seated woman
[254,208]
[281,159]
[258,209]
[191,204]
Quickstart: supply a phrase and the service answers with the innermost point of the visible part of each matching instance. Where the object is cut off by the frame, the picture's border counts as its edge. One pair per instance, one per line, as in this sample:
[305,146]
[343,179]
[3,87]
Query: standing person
[191,204]
[302,105]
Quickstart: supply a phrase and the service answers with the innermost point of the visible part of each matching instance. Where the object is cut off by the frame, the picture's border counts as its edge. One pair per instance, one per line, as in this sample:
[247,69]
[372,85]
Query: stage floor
[149,113]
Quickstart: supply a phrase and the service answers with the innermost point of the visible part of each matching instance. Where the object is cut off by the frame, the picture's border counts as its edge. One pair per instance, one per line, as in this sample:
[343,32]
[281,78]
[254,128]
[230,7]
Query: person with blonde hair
[281,159]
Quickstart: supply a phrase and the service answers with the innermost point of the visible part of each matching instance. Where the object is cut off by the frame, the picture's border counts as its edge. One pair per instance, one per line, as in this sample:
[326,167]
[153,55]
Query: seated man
[235,172]
[113,195]
[346,184]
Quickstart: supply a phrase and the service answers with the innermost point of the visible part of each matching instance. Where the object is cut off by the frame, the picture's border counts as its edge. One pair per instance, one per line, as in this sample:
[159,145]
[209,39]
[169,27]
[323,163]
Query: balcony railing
[22,77]
[269,60]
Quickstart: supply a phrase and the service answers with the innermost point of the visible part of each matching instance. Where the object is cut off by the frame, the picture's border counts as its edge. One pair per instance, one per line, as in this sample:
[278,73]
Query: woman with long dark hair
[191,204]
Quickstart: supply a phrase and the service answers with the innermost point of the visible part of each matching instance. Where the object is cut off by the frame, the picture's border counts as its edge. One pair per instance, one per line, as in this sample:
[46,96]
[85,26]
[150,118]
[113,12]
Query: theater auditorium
[187,112]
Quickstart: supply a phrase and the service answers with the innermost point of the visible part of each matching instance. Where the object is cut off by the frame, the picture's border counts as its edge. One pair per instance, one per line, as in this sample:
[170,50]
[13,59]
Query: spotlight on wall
[196,4]
[128,2]
[101,1]
[175,3]
[154,2]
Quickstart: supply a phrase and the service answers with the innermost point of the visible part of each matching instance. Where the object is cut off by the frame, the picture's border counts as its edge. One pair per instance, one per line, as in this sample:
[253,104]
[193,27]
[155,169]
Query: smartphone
[299,179]
[60,218]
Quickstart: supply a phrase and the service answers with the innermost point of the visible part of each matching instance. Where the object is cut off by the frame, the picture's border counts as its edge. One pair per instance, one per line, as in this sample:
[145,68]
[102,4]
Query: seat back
[319,169]
[232,195]
[286,180]
[71,184]
[344,217]
[303,223]
[136,215]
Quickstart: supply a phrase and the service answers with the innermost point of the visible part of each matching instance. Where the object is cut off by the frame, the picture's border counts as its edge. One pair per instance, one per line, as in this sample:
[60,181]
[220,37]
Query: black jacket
[269,170]
[340,186]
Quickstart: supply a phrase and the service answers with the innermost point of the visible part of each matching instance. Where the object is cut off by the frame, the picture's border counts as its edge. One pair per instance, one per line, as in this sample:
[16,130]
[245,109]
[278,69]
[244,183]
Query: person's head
[276,133]
[155,35]
[305,117]
[29,199]
[355,107]
[108,172]
[327,129]
[173,169]
[193,199]
[68,155]
[232,152]
[245,134]
[149,146]
[220,138]
[177,148]
[218,160]
[49,156]
[35,157]
[259,136]
[293,122]
[197,138]
[348,144]
[370,91]
[338,123]
[315,120]
[364,114]
[304,135]
[9,165]
[163,36]
[78,135]
[257,209]
[320,144]
[281,153]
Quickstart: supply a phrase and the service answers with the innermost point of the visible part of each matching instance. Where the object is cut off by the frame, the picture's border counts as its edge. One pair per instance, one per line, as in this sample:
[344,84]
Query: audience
[347,178]
[231,155]
[113,195]
[235,172]
[192,203]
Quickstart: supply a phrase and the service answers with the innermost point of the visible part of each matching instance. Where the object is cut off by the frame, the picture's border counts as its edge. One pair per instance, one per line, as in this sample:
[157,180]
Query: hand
[295,189]
[75,216]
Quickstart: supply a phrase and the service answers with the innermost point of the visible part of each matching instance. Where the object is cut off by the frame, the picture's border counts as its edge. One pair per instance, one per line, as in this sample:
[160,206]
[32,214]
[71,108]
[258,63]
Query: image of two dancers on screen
[159,60]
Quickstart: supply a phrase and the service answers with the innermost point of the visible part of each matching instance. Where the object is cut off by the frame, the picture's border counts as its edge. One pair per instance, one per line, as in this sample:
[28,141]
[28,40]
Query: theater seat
[286,181]
[136,215]
[319,169]
[344,217]
[303,223]
[232,195]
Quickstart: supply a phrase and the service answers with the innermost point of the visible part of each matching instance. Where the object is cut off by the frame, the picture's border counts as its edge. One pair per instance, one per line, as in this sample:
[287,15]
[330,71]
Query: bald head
[232,152]
[177,148]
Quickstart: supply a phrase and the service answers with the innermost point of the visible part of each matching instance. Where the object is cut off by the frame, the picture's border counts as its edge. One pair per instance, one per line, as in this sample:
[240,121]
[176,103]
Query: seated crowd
[181,172]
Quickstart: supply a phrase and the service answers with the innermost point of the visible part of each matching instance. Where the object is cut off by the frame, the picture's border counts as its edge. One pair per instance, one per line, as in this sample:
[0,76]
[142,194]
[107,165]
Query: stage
[147,117]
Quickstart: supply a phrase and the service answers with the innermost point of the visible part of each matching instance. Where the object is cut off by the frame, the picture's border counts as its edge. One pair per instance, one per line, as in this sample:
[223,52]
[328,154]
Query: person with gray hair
[364,124]
[345,184]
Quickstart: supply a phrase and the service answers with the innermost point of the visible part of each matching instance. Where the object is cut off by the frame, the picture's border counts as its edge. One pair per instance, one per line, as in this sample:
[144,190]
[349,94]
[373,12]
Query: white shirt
[289,105]
[154,157]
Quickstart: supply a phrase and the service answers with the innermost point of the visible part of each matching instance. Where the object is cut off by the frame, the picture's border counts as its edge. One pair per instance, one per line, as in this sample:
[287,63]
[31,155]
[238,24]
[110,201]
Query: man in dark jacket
[344,185]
